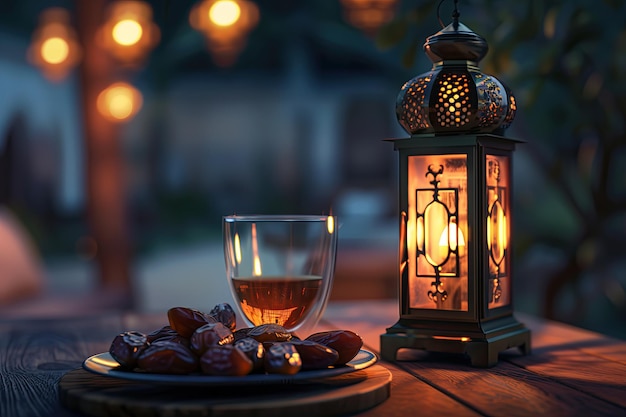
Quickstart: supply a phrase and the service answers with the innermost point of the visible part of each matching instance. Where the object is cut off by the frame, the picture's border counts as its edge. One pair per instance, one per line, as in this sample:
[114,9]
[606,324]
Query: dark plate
[104,364]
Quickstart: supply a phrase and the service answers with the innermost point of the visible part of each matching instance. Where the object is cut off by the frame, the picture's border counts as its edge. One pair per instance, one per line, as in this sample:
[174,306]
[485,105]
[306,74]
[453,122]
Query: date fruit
[282,358]
[167,333]
[127,346]
[167,357]
[254,350]
[225,314]
[185,320]
[194,341]
[241,333]
[225,360]
[315,355]
[345,342]
[212,334]
[269,333]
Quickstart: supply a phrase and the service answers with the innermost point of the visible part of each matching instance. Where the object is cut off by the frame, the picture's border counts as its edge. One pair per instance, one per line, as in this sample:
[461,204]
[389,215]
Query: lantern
[455,189]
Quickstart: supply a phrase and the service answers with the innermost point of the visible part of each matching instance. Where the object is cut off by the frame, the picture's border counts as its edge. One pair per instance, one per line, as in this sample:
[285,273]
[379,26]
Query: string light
[129,32]
[54,48]
[119,102]
[225,25]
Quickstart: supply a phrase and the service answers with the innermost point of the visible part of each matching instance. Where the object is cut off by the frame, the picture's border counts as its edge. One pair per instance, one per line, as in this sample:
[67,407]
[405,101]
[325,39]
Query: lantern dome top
[455,97]
[456,42]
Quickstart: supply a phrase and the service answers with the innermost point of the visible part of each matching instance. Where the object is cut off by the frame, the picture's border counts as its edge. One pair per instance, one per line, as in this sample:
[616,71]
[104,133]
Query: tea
[279,300]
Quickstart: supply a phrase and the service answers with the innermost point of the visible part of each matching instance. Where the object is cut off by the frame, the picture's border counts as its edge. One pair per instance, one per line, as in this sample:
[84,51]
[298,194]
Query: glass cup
[280,267]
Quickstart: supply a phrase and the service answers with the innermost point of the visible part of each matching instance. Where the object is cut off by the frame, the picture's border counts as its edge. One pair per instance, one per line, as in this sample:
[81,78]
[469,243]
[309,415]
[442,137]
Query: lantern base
[482,350]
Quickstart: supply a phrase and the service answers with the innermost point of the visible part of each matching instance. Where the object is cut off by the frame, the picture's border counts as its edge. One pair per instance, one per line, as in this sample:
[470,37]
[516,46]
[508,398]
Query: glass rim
[277,218]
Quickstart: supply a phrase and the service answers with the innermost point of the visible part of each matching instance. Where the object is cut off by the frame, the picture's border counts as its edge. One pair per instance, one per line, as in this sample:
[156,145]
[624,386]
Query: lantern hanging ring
[455,15]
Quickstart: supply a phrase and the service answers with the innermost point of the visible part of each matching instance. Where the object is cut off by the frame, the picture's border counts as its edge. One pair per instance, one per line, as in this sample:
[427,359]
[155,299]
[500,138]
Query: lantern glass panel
[498,230]
[436,232]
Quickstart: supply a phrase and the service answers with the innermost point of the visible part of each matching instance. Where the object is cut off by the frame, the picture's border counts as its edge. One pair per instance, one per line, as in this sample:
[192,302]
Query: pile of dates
[208,343]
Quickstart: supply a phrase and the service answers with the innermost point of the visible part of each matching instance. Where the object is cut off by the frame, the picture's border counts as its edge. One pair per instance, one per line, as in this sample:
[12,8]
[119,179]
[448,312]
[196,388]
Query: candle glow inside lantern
[455,207]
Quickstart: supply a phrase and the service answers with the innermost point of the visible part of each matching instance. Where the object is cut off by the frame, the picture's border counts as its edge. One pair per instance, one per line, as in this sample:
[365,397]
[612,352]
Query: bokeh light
[119,102]
[54,47]
[224,13]
[225,24]
[369,15]
[55,50]
[127,32]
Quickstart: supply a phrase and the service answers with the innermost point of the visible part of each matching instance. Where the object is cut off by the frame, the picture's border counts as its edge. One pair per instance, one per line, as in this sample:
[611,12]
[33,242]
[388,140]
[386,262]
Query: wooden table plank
[584,360]
[34,354]
[588,367]
[581,371]
[411,396]
[612,350]
[570,372]
[549,335]
[508,390]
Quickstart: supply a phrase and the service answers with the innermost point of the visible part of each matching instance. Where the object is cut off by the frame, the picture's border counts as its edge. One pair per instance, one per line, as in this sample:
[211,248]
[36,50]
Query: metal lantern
[455,189]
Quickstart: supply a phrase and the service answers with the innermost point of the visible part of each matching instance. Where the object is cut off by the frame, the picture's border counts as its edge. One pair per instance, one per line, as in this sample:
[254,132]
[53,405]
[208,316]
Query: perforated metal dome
[455,96]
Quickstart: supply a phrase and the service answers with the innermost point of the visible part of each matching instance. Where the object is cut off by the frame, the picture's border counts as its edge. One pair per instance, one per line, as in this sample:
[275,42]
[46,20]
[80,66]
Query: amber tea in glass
[280,268]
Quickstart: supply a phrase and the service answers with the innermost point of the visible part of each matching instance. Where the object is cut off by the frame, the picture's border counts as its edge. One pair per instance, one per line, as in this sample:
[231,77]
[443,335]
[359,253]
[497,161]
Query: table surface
[570,372]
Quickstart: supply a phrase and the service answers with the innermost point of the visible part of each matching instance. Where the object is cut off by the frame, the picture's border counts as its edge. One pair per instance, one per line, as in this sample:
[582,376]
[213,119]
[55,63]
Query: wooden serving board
[101,396]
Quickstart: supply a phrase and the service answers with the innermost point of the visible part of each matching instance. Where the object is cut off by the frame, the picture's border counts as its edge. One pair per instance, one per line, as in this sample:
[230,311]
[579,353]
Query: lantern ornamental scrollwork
[435,215]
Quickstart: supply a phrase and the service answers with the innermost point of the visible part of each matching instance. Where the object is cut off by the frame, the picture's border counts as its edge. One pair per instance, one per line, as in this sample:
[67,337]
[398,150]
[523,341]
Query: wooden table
[571,371]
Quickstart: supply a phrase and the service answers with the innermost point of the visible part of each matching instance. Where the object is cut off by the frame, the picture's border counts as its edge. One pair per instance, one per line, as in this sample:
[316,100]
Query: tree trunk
[105,170]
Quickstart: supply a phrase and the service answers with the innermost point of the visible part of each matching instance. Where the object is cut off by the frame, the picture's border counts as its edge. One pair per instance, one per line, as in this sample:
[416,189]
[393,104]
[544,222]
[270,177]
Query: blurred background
[128,128]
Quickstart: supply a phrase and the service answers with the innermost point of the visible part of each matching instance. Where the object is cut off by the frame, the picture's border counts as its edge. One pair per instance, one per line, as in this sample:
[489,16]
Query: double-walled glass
[280,267]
